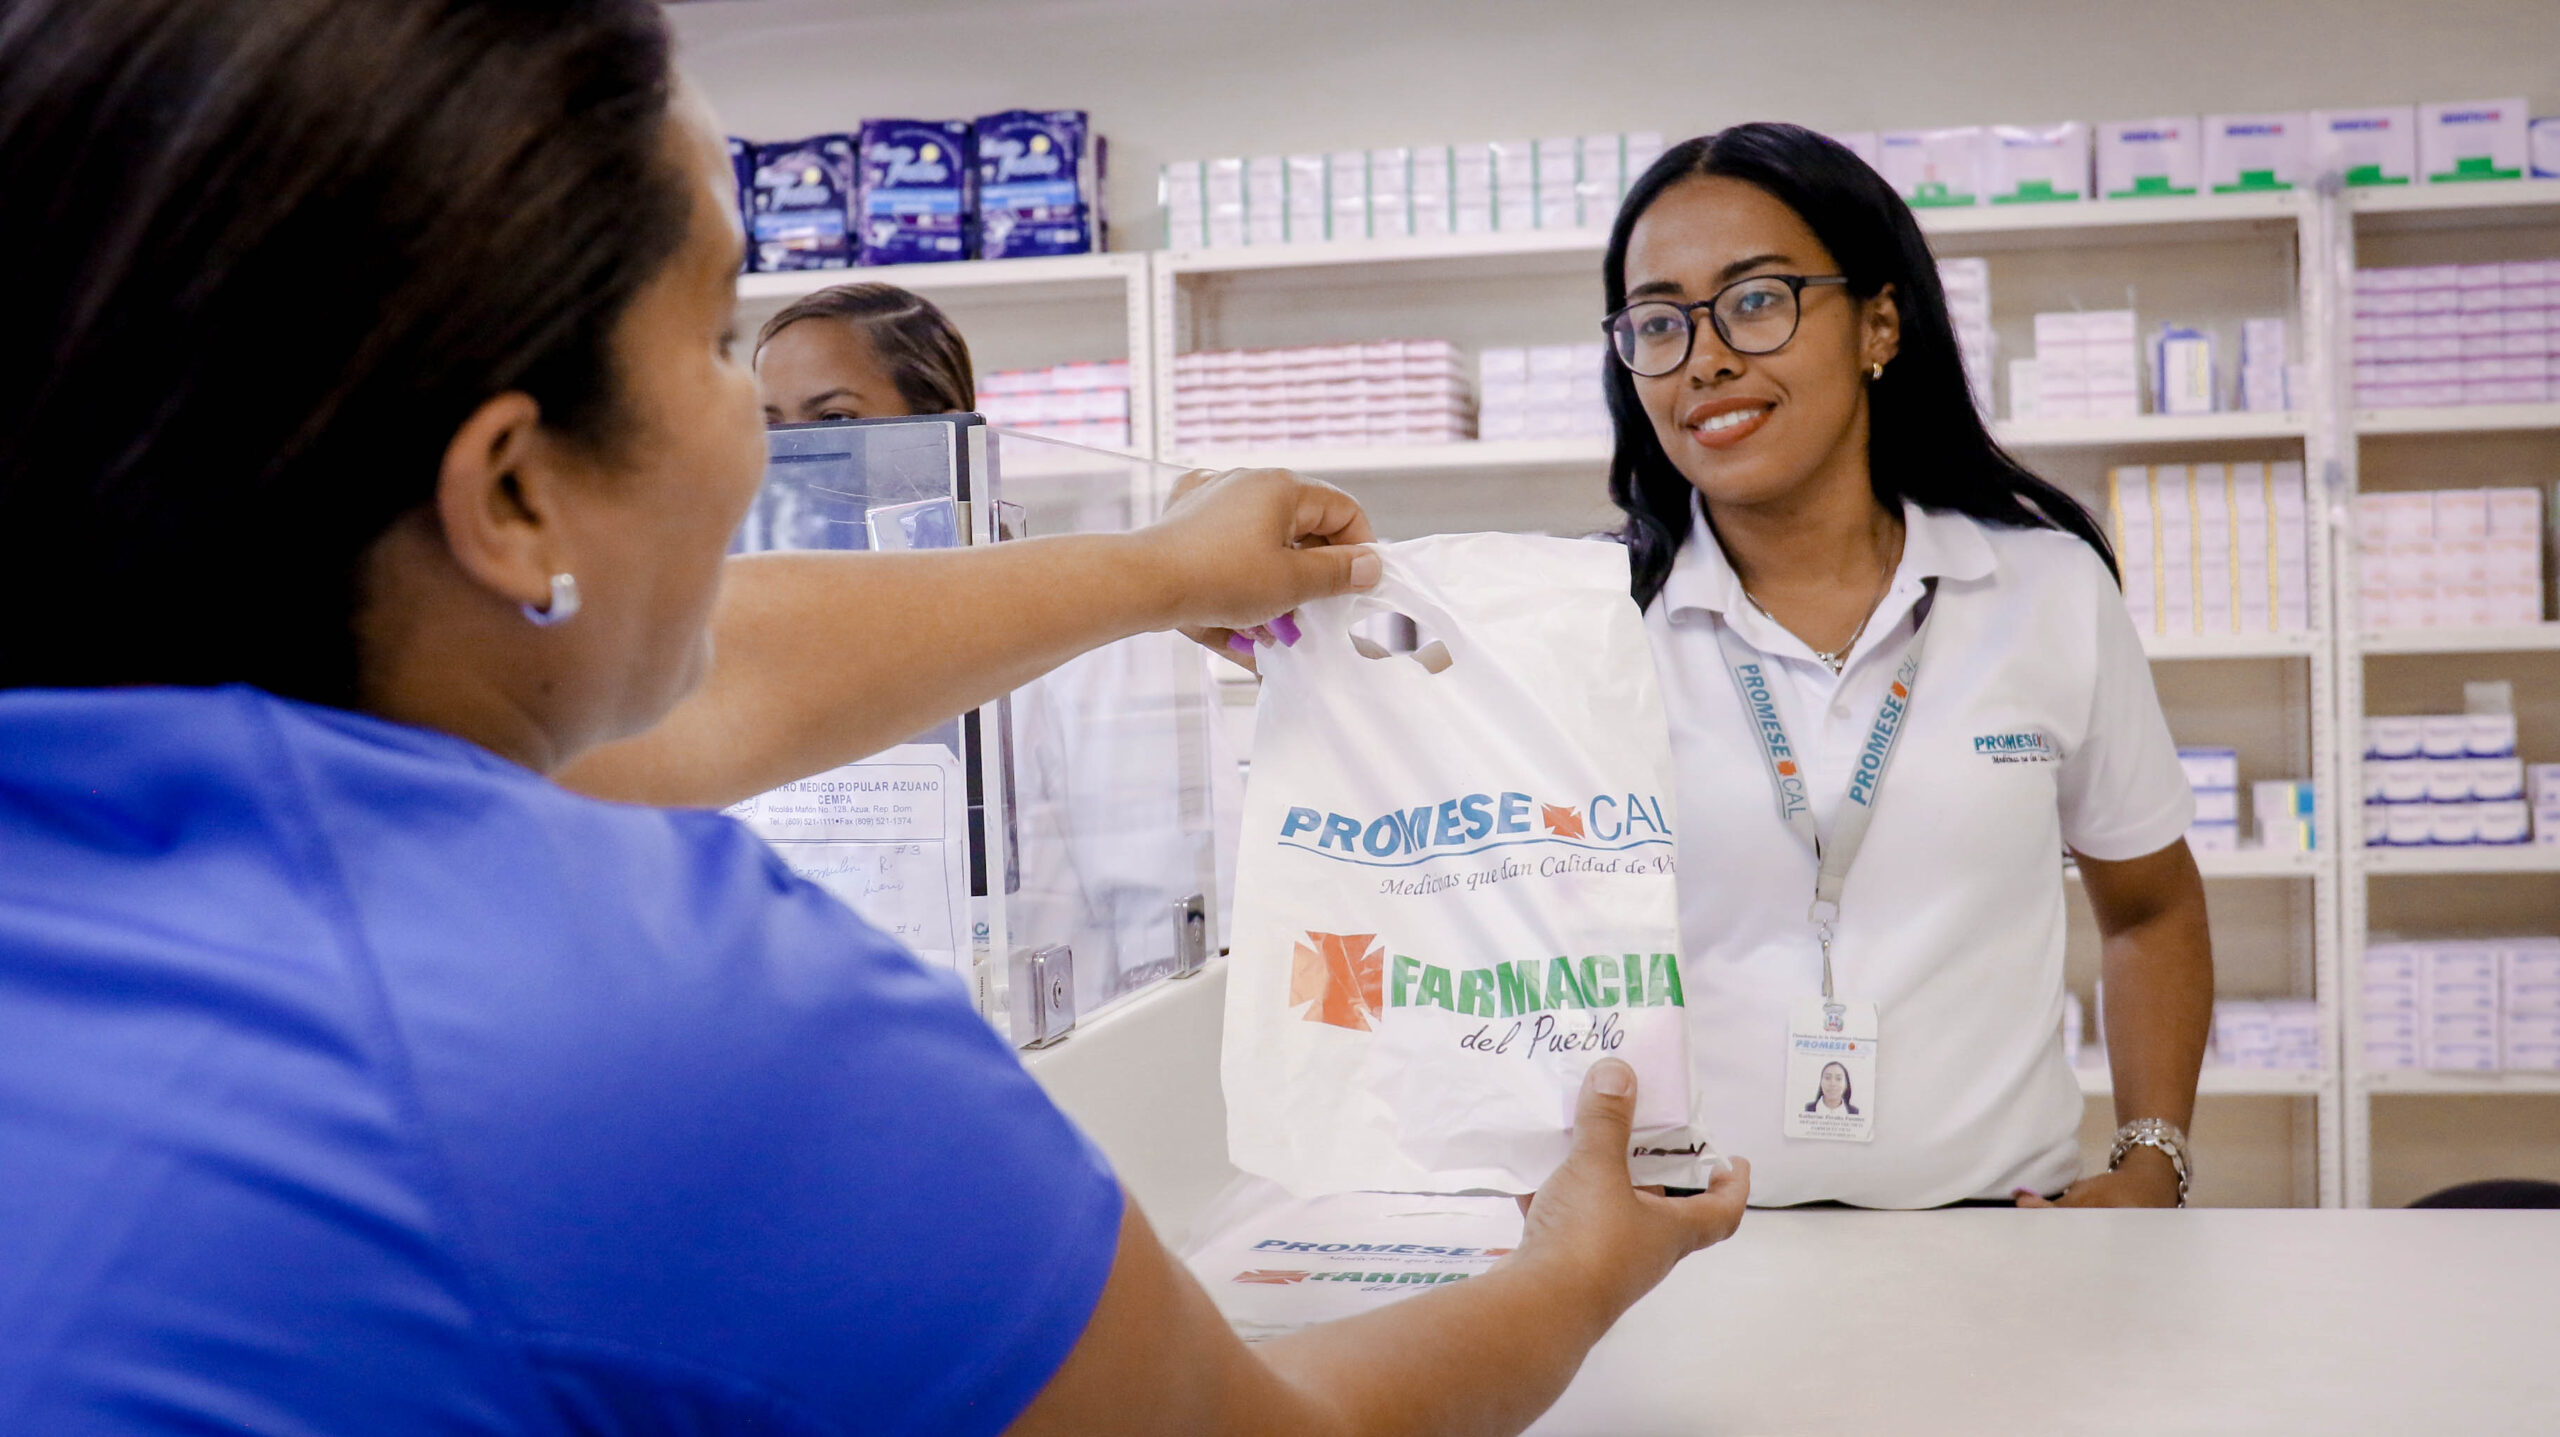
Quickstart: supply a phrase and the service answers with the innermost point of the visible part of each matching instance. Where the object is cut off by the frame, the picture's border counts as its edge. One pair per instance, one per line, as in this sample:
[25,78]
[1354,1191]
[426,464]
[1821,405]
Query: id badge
[1831,1093]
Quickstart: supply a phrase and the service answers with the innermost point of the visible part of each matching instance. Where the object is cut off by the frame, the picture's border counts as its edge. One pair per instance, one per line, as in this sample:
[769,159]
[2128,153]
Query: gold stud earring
[1876,370]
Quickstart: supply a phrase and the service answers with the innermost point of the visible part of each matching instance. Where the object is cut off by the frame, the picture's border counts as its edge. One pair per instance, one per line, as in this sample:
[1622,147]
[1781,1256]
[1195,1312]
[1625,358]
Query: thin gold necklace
[1838,658]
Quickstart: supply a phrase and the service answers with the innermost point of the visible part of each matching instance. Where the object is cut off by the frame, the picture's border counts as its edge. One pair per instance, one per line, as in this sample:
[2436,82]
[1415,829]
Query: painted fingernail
[1286,628]
[1240,643]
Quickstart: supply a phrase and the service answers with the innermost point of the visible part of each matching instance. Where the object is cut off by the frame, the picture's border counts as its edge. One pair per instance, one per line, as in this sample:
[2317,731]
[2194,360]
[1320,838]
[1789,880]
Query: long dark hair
[272,253]
[1925,442]
[923,351]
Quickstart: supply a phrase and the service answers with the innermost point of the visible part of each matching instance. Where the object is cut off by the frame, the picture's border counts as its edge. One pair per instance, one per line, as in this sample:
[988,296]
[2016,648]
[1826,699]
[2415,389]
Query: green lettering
[1405,1277]
[1633,971]
[1475,992]
[1435,988]
[1402,987]
[1516,984]
[1664,969]
[1601,985]
[1562,990]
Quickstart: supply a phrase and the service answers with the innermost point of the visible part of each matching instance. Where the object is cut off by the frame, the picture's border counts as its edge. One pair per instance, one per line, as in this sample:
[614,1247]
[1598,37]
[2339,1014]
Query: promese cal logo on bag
[1476,823]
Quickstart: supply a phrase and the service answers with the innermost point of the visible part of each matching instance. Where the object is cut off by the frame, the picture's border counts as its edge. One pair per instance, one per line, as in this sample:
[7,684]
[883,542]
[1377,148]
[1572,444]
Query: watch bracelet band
[2157,1133]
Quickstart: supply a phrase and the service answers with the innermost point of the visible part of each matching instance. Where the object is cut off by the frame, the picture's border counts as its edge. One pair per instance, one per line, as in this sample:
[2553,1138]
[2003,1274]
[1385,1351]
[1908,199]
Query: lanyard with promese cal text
[1786,773]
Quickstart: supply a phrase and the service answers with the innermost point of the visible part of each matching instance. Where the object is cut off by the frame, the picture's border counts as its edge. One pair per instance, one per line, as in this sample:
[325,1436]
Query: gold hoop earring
[1876,370]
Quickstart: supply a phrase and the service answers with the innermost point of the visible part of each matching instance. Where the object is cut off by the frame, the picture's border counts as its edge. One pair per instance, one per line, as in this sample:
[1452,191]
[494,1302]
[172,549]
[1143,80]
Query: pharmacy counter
[2233,1321]
[1971,1321]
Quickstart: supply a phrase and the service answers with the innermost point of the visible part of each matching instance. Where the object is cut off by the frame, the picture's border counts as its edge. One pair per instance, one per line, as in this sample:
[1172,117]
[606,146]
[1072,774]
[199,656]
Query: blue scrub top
[355,1080]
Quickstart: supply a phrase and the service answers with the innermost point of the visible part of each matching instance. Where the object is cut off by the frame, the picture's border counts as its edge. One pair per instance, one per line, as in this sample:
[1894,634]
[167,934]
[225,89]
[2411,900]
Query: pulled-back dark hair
[922,350]
[271,255]
[1925,441]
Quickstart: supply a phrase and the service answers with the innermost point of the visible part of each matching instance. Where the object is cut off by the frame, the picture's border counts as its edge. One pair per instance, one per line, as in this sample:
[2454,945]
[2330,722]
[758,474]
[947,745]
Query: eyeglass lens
[1753,316]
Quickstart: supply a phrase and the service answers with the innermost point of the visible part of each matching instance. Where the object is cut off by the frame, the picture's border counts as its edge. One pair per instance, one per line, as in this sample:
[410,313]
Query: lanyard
[1786,773]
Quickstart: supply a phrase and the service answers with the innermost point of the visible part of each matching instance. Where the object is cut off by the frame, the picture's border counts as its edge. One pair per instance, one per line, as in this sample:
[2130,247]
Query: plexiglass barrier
[1080,812]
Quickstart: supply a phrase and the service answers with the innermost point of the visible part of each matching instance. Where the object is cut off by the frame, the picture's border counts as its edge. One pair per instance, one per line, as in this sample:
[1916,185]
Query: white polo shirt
[2033,724]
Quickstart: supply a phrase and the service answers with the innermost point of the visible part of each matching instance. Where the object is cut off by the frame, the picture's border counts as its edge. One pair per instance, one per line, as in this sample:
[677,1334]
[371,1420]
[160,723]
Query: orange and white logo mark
[1787,766]
[1899,691]
[1277,1277]
[1340,980]
[1562,822]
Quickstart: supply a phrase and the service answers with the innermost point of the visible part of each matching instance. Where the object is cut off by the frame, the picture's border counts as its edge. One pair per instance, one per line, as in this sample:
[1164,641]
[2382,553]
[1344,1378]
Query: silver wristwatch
[2153,1133]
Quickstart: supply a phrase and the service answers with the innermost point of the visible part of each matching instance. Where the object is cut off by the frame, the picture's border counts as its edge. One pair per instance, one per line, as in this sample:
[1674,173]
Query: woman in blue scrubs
[355,1076]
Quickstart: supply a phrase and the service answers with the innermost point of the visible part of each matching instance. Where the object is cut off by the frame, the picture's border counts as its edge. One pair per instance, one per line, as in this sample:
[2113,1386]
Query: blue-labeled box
[1039,184]
[919,181]
[800,204]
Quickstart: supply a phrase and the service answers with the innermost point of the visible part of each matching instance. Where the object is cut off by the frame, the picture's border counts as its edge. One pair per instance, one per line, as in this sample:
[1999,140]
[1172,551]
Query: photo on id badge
[1831,1070]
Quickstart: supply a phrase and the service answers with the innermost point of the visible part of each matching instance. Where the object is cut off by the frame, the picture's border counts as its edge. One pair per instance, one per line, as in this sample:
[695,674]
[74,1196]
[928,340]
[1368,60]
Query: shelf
[2474,858]
[2064,223]
[2459,418]
[2420,1080]
[1466,457]
[2171,219]
[2248,863]
[1072,276]
[2216,1081]
[1593,454]
[2148,429]
[2472,205]
[2507,639]
[2297,645]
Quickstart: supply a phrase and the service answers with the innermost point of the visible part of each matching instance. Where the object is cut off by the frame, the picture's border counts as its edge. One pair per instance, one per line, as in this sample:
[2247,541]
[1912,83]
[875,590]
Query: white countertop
[1991,1322]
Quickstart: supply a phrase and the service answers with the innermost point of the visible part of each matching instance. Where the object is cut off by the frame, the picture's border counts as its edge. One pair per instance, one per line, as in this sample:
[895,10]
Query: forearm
[1524,1332]
[819,659]
[2159,976]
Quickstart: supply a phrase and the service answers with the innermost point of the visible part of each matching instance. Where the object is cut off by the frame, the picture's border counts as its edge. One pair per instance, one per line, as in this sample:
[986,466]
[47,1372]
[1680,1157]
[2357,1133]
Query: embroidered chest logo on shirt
[2016,746]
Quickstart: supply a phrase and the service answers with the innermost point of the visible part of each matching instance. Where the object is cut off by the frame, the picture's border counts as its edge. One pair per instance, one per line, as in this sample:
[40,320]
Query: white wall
[1188,80]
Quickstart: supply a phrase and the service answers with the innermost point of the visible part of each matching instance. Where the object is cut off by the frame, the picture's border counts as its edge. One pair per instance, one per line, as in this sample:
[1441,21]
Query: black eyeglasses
[1653,337]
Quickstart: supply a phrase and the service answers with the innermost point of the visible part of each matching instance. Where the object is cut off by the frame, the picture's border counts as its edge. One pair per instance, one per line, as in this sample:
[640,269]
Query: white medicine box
[2472,140]
[2378,146]
[2138,159]
[2244,153]
[1932,169]
[2024,164]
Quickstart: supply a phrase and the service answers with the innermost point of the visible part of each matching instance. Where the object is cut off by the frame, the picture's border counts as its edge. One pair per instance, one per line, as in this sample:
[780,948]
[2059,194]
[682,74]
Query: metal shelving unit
[2423,224]
[1165,303]
[1258,296]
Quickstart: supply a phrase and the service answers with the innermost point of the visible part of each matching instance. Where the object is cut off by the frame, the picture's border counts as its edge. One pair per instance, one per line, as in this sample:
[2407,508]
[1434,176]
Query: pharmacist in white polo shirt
[1901,683]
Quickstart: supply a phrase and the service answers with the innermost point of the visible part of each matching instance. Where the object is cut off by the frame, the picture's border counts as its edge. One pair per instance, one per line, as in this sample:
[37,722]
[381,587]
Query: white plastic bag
[1456,884]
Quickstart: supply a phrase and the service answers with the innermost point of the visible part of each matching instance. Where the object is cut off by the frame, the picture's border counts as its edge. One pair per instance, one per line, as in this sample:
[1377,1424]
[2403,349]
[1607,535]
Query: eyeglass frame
[1795,284]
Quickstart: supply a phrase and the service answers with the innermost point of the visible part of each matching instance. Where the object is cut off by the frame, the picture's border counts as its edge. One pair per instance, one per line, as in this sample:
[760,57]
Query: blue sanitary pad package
[1039,184]
[918,183]
[800,210]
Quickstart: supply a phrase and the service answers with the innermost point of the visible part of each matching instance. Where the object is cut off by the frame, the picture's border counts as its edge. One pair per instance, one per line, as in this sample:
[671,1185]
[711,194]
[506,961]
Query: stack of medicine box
[1568,183]
[1967,283]
[2542,791]
[2456,334]
[1546,391]
[2286,811]
[2475,1004]
[2443,780]
[1408,391]
[1084,403]
[2280,1034]
[2086,366]
[2214,774]
[2266,384]
[2449,558]
[2213,548]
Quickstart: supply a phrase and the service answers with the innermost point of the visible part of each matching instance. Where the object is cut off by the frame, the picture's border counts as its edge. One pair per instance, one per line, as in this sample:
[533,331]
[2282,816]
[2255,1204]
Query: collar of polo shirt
[1935,546]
